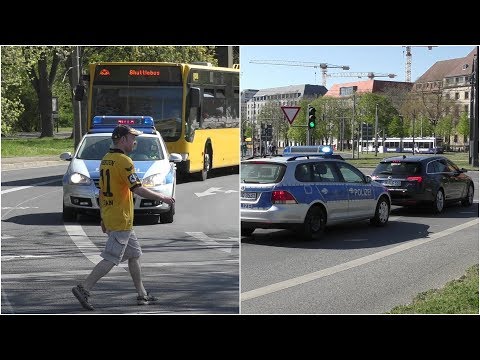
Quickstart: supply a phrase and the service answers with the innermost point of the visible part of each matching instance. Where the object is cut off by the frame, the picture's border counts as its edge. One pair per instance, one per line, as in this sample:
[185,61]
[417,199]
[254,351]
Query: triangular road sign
[290,112]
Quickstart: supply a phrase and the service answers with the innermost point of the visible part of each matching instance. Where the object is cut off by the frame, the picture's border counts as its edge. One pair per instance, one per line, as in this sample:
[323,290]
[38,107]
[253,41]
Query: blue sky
[378,59]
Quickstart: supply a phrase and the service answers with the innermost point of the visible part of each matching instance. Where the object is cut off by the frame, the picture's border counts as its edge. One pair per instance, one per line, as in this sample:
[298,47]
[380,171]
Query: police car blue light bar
[307,150]
[133,121]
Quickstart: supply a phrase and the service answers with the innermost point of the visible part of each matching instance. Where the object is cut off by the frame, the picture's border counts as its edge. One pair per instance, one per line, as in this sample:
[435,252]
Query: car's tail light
[283,197]
[418,179]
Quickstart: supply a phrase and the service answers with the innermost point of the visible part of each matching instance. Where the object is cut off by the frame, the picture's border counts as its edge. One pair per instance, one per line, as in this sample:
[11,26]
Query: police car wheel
[69,214]
[167,218]
[382,213]
[247,231]
[314,223]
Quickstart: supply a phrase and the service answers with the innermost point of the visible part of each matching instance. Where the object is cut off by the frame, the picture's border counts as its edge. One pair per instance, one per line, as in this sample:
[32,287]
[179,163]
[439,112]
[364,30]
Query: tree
[12,82]
[463,126]
[41,64]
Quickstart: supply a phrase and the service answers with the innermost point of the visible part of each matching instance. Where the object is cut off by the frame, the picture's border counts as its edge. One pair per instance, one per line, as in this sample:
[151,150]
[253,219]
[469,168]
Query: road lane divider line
[210,242]
[282,285]
[86,246]
[29,186]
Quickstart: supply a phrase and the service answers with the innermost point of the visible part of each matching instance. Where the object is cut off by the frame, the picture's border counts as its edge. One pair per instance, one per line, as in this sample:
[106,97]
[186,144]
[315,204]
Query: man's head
[123,137]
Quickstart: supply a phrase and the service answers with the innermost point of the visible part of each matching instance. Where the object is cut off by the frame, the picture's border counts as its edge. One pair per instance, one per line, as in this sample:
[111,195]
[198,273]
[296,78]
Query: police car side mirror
[175,157]
[66,156]
[368,179]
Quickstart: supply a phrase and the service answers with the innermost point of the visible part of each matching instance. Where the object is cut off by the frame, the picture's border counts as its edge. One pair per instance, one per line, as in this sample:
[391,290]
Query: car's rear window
[261,172]
[398,168]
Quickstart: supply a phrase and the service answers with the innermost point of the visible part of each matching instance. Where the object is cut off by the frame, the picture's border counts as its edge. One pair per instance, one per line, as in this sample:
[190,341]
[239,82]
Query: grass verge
[456,297]
[36,147]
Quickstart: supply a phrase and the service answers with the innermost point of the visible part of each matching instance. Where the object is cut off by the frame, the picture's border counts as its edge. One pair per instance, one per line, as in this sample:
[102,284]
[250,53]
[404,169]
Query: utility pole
[353,128]
[473,148]
[77,109]
[413,133]
[376,129]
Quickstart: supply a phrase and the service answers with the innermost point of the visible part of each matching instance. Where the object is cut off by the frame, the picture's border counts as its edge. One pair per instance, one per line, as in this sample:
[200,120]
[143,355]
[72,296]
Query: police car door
[332,189]
[361,203]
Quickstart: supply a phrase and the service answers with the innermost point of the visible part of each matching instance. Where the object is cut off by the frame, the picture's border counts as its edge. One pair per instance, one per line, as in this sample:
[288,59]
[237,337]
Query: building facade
[452,79]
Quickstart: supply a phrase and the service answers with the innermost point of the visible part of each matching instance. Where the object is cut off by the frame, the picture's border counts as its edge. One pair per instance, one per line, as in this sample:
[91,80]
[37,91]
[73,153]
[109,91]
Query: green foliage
[26,68]
[13,81]
[150,54]
[463,126]
[456,297]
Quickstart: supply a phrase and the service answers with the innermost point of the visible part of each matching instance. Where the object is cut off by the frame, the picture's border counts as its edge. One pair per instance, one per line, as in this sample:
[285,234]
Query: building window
[465,108]
[466,95]
[457,96]
[455,138]
[447,96]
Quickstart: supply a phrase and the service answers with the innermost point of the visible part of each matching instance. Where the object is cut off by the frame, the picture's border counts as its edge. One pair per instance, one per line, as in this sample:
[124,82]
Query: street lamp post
[401,134]
[376,129]
[413,133]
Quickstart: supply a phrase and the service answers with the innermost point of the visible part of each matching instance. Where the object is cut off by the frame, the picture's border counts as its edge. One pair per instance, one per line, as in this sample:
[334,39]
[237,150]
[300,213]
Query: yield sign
[290,112]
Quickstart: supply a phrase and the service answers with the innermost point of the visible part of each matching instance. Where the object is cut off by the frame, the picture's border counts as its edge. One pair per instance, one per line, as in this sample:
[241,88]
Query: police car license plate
[392,183]
[248,195]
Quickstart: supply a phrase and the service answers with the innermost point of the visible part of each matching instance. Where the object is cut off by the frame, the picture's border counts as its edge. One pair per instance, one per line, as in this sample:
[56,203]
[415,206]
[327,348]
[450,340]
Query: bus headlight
[154,180]
[79,179]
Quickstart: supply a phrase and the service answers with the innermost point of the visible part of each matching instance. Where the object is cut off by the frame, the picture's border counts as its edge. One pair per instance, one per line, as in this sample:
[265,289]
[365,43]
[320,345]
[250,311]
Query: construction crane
[323,66]
[370,75]
[408,62]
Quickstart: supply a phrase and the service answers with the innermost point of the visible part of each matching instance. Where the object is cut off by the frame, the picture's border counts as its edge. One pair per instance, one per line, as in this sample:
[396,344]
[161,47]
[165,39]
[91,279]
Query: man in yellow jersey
[117,182]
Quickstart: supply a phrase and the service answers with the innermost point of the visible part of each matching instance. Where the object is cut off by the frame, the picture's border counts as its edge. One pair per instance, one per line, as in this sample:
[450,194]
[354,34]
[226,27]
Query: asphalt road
[192,264]
[358,268]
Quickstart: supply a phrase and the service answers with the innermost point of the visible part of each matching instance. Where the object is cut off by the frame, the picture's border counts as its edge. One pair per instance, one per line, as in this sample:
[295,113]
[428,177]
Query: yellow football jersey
[117,179]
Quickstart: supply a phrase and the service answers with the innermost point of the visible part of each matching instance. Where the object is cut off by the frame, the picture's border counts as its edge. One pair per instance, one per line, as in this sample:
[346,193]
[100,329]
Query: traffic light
[312,119]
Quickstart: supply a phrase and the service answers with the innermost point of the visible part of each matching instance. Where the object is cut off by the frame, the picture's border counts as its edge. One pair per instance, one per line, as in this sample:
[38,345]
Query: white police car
[153,164]
[306,192]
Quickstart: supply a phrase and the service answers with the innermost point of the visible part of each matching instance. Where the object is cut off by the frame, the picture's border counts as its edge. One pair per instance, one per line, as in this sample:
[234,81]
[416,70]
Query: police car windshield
[94,147]
[261,172]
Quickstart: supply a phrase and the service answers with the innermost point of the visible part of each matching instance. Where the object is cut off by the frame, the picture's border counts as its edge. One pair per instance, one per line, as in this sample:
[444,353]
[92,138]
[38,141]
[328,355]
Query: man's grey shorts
[120,246]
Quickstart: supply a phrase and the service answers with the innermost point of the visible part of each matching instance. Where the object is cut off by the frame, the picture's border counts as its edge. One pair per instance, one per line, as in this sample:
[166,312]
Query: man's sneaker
[146,300]
[82,295]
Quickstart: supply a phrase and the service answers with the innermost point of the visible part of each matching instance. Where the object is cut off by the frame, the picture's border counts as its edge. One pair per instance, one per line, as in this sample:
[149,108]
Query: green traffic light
[311,124]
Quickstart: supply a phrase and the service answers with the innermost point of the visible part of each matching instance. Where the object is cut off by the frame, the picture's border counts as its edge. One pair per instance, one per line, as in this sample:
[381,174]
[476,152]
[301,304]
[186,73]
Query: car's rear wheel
[69,214]
[314,223]
[439,202]
[245,231]
[468,201]
[382,212]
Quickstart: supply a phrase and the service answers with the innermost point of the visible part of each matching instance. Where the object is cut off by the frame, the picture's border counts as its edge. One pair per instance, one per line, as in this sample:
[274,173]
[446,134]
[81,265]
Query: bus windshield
[163,103]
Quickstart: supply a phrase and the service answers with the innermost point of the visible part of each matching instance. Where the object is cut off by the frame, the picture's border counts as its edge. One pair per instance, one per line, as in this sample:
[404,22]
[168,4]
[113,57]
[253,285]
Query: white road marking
[29,186]
[19,207]
[209,191]
[4,237]
[12,257]
[282,285]
[210,242]
[76,273]
[83,243]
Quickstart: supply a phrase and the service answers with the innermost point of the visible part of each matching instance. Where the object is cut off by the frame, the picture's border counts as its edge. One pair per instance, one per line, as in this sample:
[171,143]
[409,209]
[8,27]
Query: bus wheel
[207,161]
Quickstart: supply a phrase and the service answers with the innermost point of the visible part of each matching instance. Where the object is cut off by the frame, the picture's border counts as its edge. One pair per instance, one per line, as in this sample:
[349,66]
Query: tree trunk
[45,99]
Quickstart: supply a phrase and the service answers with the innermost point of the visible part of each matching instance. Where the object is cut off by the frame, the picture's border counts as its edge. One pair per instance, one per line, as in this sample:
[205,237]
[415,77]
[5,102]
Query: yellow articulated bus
[195,107]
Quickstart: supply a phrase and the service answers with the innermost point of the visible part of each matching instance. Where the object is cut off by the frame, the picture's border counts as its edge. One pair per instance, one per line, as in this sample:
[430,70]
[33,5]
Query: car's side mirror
[368,179]
[67,156]
[175,157]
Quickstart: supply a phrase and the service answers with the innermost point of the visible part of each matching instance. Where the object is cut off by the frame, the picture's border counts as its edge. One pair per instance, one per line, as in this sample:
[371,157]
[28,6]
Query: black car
[429,180]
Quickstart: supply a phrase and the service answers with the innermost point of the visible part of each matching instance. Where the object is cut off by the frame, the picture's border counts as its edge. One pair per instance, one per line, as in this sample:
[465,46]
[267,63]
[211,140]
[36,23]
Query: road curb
[30,164]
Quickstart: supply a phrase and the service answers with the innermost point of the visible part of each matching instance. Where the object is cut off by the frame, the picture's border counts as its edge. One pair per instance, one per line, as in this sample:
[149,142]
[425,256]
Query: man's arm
[152,195]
